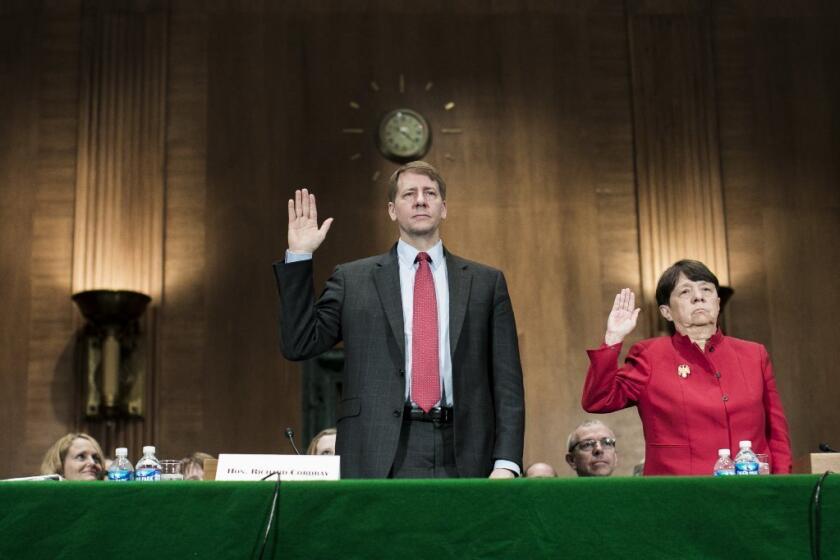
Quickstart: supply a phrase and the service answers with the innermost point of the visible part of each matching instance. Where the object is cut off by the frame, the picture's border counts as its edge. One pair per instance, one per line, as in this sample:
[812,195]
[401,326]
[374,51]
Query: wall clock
[404,135]
[397,124]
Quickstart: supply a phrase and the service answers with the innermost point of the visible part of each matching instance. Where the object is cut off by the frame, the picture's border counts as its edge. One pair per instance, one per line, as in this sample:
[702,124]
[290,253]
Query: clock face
[403,135]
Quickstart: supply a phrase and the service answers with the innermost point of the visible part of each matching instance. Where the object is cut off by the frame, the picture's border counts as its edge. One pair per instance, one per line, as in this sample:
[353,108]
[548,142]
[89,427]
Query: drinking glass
[170,469]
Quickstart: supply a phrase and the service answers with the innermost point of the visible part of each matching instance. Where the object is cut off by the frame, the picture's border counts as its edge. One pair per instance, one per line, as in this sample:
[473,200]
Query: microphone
[827,448]
[290,435]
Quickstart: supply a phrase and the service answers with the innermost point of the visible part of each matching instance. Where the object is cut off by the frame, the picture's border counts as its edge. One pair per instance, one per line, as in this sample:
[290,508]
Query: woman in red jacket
[696,391]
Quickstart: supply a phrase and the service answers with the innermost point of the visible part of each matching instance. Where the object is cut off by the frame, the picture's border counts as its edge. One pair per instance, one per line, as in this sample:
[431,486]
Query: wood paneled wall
[39,74]
[599,141]
[182,380]
[780,135]
[18,146]
[677,142]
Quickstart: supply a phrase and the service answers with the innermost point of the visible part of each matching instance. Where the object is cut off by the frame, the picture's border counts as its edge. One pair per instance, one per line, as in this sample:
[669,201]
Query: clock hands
[402,135]
[404,132]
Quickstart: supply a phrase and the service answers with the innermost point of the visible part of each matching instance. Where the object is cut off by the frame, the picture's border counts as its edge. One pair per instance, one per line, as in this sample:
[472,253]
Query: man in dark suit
[432,379]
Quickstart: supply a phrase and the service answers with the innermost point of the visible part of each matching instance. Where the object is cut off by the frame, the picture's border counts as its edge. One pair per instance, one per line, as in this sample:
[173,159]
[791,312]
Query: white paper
[235,466]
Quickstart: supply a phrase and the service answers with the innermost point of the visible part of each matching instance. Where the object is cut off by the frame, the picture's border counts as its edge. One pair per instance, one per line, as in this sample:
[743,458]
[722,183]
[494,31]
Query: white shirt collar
[408,254]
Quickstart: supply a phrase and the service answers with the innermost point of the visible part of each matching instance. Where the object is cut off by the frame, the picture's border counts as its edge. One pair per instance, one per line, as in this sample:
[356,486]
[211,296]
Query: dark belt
[439,414]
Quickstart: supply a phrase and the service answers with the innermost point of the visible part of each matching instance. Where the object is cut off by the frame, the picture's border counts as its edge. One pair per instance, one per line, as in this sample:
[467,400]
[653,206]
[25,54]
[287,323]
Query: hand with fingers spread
[622,319]
[304,234]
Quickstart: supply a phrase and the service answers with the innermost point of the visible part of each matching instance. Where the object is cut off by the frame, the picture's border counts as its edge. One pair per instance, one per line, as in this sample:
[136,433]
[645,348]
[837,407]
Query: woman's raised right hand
[622,319]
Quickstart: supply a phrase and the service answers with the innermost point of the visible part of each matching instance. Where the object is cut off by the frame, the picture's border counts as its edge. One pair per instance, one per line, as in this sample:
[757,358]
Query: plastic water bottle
[148,467]
[725,466]
[746,462]
[121,469]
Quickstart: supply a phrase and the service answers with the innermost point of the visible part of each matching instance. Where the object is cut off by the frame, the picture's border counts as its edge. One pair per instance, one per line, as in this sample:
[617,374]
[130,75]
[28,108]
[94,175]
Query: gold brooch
[683,370]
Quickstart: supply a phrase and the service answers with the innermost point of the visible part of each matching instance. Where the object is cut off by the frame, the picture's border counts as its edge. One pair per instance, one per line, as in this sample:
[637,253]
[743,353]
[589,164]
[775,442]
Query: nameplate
[235,466]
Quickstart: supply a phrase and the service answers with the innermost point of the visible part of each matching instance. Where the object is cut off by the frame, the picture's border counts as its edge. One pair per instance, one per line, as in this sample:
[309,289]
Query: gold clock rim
[395,157]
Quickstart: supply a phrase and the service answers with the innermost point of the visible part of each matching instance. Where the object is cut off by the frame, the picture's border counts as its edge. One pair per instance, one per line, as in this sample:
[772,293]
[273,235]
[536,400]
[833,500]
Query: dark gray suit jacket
[361,305]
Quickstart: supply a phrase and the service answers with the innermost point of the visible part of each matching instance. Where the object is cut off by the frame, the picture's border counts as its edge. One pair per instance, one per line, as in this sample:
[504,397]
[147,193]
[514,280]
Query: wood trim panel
[19,37]
[52,406]
[183,376]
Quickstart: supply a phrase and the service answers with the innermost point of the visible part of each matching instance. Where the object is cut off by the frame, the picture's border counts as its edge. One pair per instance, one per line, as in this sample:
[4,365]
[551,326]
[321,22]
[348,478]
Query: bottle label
[746,467]
[120,476]
[147,474]
[724,472]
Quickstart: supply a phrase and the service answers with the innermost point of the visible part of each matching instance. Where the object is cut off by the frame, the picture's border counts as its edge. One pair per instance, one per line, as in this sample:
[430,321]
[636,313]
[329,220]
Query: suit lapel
[459,279]
[386,276]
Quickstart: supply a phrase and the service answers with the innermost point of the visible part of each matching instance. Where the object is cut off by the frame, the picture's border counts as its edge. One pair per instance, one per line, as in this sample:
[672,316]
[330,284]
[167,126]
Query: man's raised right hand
[304,234]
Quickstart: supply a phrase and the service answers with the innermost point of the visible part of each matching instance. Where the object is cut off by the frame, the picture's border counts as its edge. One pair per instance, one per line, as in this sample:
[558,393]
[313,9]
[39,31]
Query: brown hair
[421,168]
[53,462]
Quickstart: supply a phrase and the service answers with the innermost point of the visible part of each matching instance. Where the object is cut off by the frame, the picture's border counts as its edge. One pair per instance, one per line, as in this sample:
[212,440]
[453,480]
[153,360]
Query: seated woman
[75,457]
[695,391]
[323,443]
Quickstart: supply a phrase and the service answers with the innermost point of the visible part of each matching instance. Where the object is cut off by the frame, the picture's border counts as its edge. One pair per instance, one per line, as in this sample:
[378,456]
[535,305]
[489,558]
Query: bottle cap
[122,452]
[148,449]
[744,443]
[723,452]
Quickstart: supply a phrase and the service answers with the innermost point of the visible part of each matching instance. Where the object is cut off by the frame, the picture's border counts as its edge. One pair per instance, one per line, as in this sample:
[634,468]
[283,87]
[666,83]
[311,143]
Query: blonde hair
[420,168]
[53,462]
[313,445]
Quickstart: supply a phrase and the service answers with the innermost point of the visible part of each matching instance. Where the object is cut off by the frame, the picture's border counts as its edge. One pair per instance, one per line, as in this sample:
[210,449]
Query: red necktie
[425,378]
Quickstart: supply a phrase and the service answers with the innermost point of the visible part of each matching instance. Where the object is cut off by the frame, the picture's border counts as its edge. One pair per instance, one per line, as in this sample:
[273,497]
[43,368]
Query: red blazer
[726,393]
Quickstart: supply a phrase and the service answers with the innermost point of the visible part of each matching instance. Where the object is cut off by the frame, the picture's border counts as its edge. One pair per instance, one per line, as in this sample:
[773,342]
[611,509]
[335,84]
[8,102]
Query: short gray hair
[571,441]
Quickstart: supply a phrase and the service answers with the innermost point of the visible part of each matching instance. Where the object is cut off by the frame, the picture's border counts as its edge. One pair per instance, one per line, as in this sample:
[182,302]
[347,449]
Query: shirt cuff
[509,465]
[297,257]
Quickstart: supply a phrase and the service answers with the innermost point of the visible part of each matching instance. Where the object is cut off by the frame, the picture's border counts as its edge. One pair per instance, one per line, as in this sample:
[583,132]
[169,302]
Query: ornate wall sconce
[110,353]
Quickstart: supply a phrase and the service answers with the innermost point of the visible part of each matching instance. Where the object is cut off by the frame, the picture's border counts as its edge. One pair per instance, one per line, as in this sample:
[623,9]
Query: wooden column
[681,213]
[182,376]
[118,242]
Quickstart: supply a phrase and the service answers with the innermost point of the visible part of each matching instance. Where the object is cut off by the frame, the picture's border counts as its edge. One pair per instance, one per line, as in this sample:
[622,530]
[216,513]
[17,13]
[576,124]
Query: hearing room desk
[755,517]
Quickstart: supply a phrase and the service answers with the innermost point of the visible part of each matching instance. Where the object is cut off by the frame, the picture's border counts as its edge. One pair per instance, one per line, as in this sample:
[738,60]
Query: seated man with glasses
[591,449]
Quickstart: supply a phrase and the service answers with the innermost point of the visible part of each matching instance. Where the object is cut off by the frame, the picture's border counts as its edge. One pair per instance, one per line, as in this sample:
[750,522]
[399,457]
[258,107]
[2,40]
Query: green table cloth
[667,517]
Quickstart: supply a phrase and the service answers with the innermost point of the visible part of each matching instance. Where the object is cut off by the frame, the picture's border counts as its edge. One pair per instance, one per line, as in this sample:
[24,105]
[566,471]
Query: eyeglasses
[589,444]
